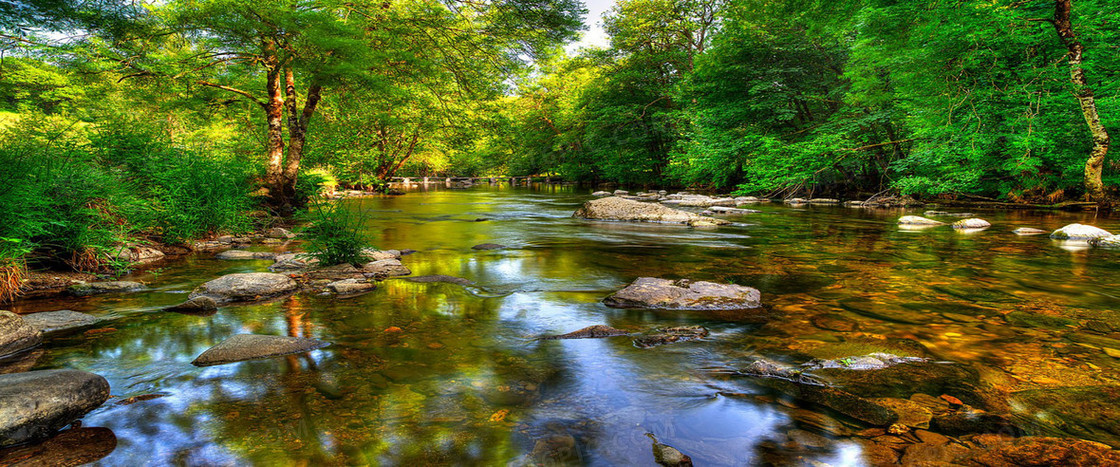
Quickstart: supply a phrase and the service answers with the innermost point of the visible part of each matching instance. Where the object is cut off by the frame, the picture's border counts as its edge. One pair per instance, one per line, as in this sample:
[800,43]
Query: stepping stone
[60,321]
[35,404]
[242,347]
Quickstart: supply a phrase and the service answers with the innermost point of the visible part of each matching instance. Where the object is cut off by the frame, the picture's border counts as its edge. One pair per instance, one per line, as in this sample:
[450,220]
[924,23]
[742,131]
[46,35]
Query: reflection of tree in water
[432,392]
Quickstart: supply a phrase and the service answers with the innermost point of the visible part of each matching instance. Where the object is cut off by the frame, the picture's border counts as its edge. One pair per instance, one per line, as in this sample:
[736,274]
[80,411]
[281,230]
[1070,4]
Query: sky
[594,35]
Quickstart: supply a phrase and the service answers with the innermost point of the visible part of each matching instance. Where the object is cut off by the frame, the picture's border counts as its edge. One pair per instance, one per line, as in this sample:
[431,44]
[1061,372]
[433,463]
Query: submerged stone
[245,287]
[618,209]
[489,246]
[242,347]
[651,292]
[35,404]
[60,321]
[440,278]
[1089,412]
[1034,451]
[667,455]
[16,335]
[1079,232]
[76,446]
[93,288]
[590,332]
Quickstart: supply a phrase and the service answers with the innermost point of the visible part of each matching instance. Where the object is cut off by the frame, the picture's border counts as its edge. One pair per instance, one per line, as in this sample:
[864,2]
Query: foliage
[335,234]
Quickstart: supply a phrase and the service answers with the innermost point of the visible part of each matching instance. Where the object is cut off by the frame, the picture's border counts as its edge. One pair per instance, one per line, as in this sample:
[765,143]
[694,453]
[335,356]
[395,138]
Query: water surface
[441,373]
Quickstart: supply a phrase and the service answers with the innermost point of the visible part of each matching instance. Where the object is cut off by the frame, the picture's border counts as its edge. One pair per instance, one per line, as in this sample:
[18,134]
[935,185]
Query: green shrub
[336,235]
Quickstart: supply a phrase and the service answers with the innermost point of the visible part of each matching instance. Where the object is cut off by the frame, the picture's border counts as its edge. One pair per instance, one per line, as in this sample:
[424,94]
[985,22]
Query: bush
[336,235]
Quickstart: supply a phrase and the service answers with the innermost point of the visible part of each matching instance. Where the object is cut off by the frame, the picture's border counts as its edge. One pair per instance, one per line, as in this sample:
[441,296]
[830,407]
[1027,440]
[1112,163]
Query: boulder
[351,286]
[668,456]
[662,336]
[35,404]
[618,209]
[386,268]
[244,287]
[1029,231]
[245,255]
[601,194]
[441,278]
[621,192]
[93,288]
[917,220]
[489,246]
[16,335]
[200,304]
[59,321]
[242,347]
[1079,232]
[1112,241]
[651,292]
[591,332]
[280,233]
[971,223]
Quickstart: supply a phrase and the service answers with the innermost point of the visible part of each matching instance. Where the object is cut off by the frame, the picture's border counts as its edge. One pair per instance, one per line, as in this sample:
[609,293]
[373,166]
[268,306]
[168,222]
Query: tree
[284,55]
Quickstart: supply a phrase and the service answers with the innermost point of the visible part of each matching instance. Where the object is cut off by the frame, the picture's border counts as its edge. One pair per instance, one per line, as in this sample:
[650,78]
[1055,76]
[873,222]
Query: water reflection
[448,374]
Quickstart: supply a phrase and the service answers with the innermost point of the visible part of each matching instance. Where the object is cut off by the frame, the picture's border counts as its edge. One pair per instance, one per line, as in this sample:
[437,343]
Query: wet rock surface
[200,304]
[971,224]
[489,246]
[618,209]
[293,262]
[386,268]
[245,287]
[1112,241]
[351,286]
[590,332]
[668,456]
[440,278]
[918,220]
[35,404]
[94,288]
[650,292]
[59,321]
[73,447]
[232,255]
[1029,231]
[16,335]
[1090,412]
[1079,232]
[670,335]
[241,347]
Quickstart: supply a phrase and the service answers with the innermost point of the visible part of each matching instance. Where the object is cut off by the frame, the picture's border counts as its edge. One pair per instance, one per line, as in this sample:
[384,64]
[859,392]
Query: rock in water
[351,286]
[972,223]
[200,304]
[1034,451]
[651,292]
[1029,231]
[242,347]
[664,336]
[590,332]
[60,321]
[618,209]
[280,233]
[245,287]
[667,455]
[1088,412]
[441,278]
[293,262]
[386,268]
[16,335]
[35,404]
[93,288]
[1112,241]
[917,220]
[136,254]
[231,255]
[488,246]
[601,194]
[1079,232]
[76,446]
[377,255]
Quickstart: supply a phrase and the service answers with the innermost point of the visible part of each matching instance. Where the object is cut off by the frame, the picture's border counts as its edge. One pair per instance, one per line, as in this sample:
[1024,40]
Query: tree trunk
[298,121]
[1084,94]
[274,110]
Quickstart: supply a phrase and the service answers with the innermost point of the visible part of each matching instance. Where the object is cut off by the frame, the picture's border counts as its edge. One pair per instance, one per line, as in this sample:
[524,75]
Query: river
[448,374]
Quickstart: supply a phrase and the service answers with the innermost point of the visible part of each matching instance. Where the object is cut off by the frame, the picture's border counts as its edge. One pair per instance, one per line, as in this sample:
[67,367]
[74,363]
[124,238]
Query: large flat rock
[60,321]
[245,287]
[242,347]
[651,292]
[619,209]
[35,404]
[16,335]
[94,288]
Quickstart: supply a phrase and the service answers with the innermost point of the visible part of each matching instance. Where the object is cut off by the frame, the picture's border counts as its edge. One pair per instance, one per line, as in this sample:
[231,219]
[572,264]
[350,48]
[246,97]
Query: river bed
[441,373]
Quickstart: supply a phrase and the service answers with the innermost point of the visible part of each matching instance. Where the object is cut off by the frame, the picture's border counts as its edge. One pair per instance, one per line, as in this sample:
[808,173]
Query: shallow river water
[446,374]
